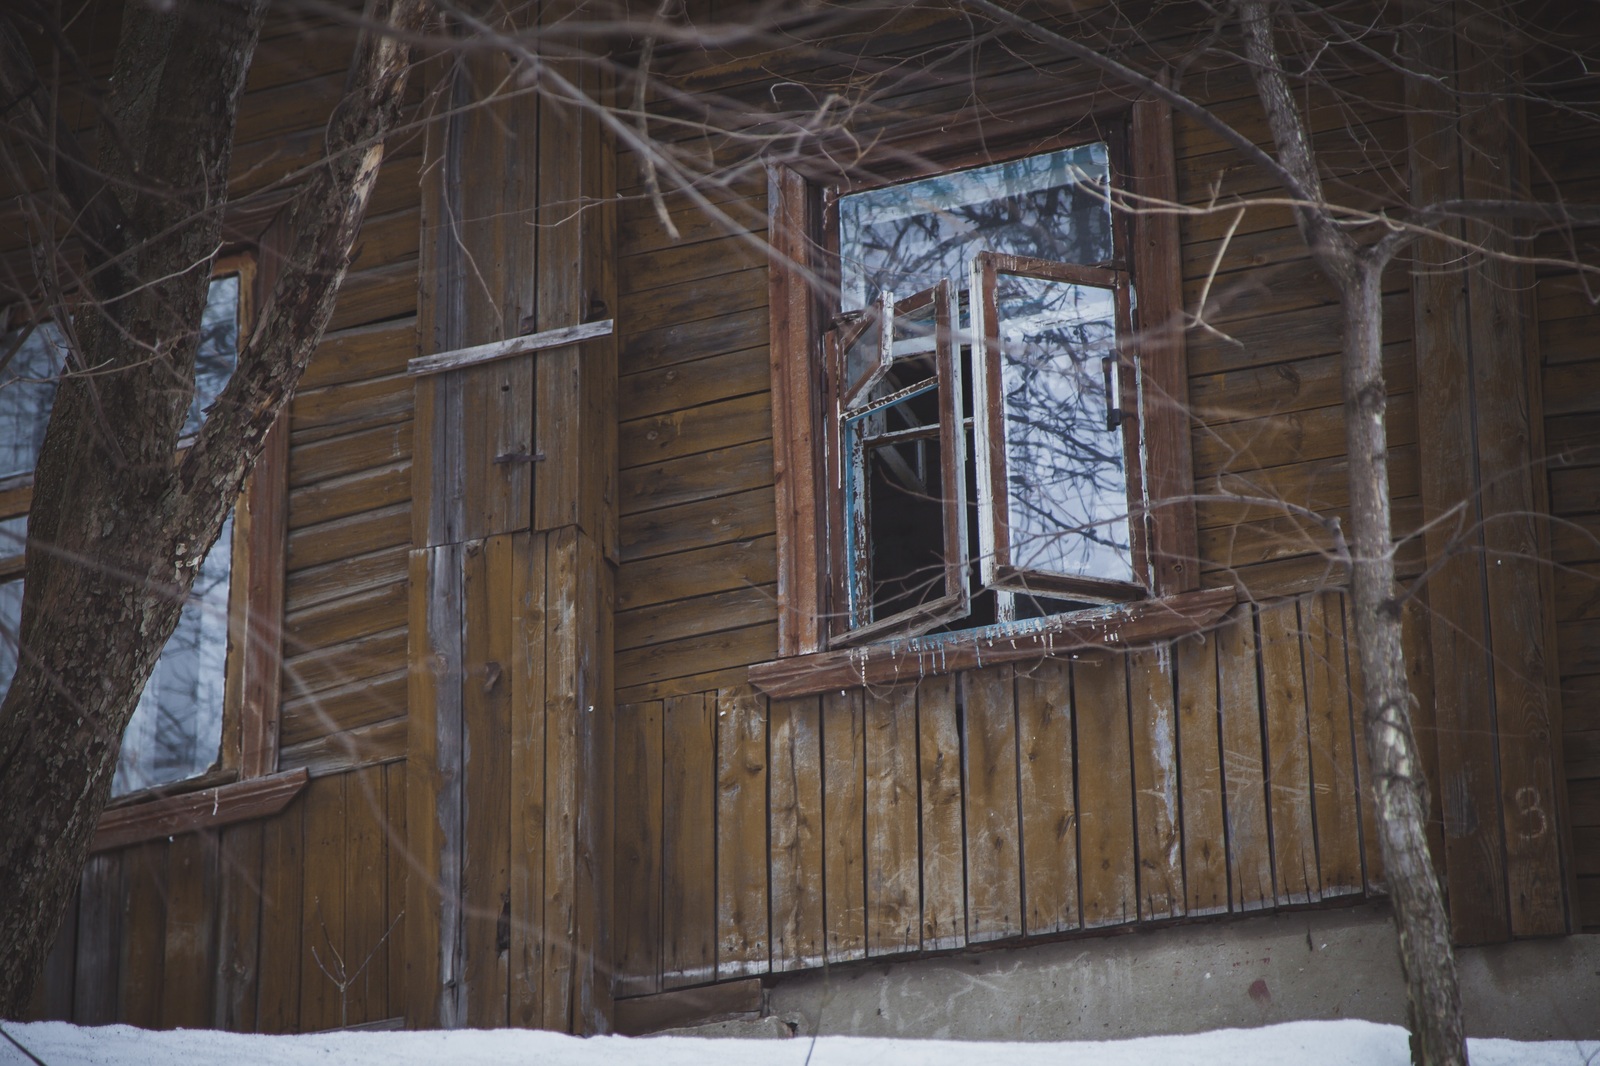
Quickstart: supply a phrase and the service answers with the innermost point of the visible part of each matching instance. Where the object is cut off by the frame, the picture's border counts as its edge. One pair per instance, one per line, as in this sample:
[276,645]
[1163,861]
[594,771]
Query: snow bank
[1344,1043]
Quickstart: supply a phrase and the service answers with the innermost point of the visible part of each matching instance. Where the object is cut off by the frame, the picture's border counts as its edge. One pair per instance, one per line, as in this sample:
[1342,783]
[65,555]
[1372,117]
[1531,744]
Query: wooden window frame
[246,783]
[803,262]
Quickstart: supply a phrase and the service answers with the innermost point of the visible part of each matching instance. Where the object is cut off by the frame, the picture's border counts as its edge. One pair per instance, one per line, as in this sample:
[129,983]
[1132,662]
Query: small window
[978,442]
[177,731]
[983,420]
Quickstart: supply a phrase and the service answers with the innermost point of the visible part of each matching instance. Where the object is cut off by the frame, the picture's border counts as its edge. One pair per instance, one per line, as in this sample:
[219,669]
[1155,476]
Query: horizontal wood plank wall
[293,923]
[760,836]
[1570,371]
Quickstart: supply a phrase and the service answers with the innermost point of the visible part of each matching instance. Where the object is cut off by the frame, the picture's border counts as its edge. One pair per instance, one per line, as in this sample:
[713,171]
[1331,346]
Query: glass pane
[219,349]
[904,238]
[27,389]
[1066,478]
[864,353]
[10,616]
[176,730]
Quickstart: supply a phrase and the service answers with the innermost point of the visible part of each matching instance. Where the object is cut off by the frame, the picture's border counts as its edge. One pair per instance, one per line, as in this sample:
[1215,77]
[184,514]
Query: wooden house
[726,642]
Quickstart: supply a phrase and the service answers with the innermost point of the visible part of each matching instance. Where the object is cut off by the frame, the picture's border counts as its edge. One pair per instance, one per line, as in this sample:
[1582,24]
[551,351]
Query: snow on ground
[1342,1043]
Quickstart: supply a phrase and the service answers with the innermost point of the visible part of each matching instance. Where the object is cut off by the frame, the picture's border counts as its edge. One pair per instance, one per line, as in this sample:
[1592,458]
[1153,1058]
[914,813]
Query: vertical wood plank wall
[759,836]
[1569,366]
[511,725]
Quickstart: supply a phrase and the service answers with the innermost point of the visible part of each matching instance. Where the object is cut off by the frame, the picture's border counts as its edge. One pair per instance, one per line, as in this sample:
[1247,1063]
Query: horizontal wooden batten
[897,660]
[497,350]
[209,808]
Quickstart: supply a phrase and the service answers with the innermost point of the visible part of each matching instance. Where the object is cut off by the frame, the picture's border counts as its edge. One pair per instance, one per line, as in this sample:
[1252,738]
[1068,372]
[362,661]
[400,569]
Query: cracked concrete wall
[1274,968]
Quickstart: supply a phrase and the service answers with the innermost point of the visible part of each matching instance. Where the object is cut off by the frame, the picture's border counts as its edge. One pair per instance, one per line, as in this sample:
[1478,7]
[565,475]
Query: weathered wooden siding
[285,925]
[1009,802]
[294,923]
[759,836]
[1569,166]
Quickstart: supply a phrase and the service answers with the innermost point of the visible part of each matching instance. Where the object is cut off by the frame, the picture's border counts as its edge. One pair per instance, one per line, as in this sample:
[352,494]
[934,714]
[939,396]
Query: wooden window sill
[889,661]
[237,801]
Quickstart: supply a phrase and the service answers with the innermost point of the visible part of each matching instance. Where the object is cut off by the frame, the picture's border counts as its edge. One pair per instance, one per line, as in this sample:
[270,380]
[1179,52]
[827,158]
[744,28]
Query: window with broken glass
[983,424]
[176,733]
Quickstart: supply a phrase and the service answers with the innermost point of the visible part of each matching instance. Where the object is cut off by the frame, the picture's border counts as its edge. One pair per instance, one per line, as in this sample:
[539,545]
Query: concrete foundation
[1273,968]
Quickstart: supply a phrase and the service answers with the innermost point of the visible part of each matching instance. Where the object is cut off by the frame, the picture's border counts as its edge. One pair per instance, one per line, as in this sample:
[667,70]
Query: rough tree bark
[117,527]
[1399,789]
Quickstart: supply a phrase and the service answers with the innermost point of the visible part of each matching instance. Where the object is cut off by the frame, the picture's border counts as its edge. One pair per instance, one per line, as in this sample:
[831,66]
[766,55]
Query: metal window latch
[519,457]
[1114,412]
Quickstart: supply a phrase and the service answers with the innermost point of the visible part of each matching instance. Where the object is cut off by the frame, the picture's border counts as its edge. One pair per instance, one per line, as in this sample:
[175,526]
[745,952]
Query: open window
[979,396]
[200,721]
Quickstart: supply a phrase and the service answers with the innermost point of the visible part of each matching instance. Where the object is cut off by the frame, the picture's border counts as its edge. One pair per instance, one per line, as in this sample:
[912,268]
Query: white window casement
[196,725]
[980,405]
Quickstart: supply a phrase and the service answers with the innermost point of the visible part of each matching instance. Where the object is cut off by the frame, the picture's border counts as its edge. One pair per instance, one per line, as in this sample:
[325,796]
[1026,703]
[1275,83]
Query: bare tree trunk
[117,530]
[1400,791]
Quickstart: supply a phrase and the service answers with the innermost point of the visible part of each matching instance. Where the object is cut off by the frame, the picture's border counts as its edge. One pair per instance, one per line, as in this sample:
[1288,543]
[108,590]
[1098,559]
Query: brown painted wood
[1509,438]
[323,1004]
[238,977]
[97,969]
[1205,844]
[1287,755]
[527,741]
[843,823]
[718,376]
[688,814]
[1474,835]
[993,819]
[1243,770]
[697,477]
[940,759]
[795,742]
[638,911]
[1159,826]
[721,567]
[1126,626]
[207,809]
[365,952]
[485,710]
[367,745]
[1336,806]
[190,950]
[282,870]
[894,903]
[1048,796]
[703,523]
[143,934]
[263,514]
[1168,479]
[1105,791]
[795,471]
[741,835]
[398,877]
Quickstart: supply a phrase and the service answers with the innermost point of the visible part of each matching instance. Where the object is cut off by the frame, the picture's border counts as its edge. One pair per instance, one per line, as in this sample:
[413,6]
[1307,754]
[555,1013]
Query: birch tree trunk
[118,524]
[1400,792]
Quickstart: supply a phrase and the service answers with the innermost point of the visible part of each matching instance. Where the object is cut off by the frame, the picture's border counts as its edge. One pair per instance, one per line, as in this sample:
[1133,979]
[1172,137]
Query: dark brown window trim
[164,816]
[1129,626]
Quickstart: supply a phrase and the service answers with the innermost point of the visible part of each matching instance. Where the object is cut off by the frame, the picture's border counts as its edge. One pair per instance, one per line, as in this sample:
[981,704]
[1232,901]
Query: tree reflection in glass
[1067,484]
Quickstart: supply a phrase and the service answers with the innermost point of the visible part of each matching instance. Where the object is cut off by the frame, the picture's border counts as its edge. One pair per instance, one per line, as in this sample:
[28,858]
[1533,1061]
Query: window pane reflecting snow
[906,238]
